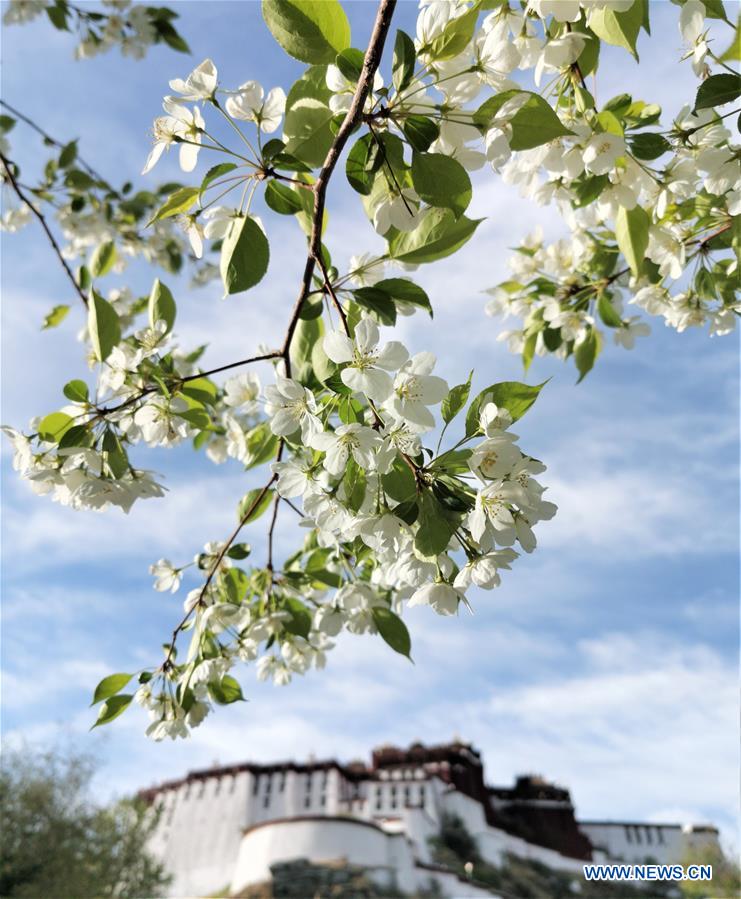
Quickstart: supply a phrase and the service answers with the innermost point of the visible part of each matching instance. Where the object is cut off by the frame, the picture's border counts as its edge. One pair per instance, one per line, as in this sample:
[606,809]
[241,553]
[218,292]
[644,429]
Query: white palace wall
[634,843]
[223,829]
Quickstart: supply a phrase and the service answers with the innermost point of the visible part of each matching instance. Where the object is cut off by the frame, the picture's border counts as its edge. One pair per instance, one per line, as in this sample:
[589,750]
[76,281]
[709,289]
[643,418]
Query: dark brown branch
[370,65]
[47,137]
[271,531]
[7,165]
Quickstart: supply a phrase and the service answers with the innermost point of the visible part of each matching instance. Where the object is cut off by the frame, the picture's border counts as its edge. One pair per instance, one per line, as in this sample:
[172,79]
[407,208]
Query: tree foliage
[345,428]
[57,841]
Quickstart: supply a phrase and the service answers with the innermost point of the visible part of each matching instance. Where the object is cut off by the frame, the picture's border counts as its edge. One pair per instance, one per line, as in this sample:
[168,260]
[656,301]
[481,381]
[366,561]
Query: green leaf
[239,551]
[282,199]
[513,396]
[359,166]
[161,305]
[199,418]
[535,123]
[58,15]
[631,232]
[484,115]
[307,335]
[308,131]
[216,171]
[399,483]
[406,292]
[378,302]
[589,56]
[77,391]
[438,234]
[102,259]
[528,349]
[248,501]
[261,445]
[115,454]
[619,28]
[178,202]
[455,37]
[55,317]
[354,482]
[245,254]
[608,313]
[393,630]
[53,426]
[717,90]
[455,400]
[649,145]
[313,31]
[420,131]
[350,63]
[587,188]
[109,686]
[77,435]
[586,352]
[226,691]
[404,60]
[300,621]
[436,527]
[68,154]
[103,324]
[202,390]
[441,181]
[307,128]
[112,708]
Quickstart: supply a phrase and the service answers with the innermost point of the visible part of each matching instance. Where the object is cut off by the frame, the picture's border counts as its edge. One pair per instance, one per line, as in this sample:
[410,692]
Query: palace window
[255,784]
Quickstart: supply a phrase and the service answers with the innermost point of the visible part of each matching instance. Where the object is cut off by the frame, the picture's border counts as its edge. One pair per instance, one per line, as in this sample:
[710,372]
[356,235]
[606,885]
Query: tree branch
[332,294]
[49,139]
[7,164]
[370,65]
[215,567]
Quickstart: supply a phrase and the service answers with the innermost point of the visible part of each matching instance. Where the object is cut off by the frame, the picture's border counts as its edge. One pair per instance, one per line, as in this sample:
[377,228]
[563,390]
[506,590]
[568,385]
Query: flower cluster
[353,430]
[390,523]
[132,27]
[650,214]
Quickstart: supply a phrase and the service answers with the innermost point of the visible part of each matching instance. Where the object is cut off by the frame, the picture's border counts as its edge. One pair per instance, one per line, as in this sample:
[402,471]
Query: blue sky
[607,660]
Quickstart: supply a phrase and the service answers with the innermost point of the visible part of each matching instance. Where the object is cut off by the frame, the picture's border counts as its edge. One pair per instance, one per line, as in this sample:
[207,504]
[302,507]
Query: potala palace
[223,828]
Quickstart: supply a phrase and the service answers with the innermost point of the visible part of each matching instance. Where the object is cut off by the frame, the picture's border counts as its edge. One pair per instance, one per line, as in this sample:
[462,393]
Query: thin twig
[201,374]
[40,216]
[382,149]
[330,290]
[47,137]
[370,65]
[215,567]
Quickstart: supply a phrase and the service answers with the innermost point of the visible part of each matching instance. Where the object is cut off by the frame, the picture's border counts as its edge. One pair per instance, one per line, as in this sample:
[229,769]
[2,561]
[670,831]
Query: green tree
[726,882]
[57,841]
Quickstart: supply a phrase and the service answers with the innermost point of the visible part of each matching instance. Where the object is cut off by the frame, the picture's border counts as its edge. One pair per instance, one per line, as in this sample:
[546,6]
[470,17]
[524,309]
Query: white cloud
[647,725]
